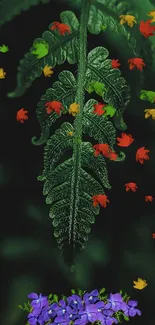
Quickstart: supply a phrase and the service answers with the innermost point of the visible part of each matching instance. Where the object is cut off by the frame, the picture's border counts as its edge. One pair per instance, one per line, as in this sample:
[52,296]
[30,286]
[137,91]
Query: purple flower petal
[132,303]
[33,295]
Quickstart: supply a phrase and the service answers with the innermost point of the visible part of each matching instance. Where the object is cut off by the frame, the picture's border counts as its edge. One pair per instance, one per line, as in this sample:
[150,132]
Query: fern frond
[96,126]
[64,91]
[72,224]
[61,48]
[10,9]
[107,12]
[117,92]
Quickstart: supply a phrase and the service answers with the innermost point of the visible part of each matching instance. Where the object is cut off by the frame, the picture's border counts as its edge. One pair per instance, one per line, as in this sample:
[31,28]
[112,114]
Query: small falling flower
[136,62]
[48,71]
[74,109]
[62,28]
[99,109]
[153,235]
[146,29]
[21,115]
[129,19]
[115,63]
[102,148]
[113,155]
[152,14]
[70,133]
[150,112]
[148,198]
[125,140]
[131,186]
[54,106]
[100,199]
[140,284]
[4,48]
[2,73]
[142,154]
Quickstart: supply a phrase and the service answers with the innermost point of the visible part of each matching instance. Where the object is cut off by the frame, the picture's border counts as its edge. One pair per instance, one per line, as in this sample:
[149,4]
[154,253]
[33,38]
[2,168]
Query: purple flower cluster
[80,310]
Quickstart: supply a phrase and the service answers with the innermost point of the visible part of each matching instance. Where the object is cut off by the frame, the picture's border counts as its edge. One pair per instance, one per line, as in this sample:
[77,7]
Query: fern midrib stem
[80,98]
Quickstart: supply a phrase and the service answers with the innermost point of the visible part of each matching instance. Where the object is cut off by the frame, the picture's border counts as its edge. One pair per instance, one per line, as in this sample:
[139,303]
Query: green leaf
[64,91]
[41,49]
[72,291]
[72,223]
[102,290]
[117,93]
[147,95]
[61,48]
[10,9]
[96,126]
[55,298]
[4,48]
[107,12]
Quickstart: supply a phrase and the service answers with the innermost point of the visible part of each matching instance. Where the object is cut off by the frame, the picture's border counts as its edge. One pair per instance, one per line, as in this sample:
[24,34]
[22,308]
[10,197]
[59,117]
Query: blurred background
[120,247]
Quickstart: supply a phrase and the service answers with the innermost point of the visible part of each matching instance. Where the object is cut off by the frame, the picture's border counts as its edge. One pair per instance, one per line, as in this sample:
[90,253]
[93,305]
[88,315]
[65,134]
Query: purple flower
[106,317]
[91,297]
[50,312]
[34,318]
[115,302]
[131,310]
[38,301]
[87,315]
[74,301]
[61,308]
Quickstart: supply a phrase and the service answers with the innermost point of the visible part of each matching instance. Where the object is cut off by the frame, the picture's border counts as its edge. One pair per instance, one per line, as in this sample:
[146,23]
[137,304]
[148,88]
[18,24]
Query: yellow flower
[74,109]
[70,133]
[2,73]
[150,112]
[130,20]
[48,71]
[140,284]
[152,14]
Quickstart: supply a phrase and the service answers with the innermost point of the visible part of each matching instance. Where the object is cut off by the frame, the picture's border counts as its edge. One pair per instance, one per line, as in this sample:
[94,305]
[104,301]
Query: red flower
[21,115]
[99,109]
[142,154]
[136,62]
[131,186]
[148,198]
[112,155]
[146,29]
[125,140]
[115,63]
[102,148]
[54,106]
[62,28]
[100,198]
[153,235]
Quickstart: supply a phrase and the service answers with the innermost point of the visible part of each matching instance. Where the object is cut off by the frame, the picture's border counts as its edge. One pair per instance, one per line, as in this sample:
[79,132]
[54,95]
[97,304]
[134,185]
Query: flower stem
[80,98]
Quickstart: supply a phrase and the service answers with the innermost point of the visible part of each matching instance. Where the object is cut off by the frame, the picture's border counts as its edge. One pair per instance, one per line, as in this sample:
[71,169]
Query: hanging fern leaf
[61,48]
[107,12]
[117,94]
[99,127]
[96,126]
[64,91]
[10,9]
[72,223]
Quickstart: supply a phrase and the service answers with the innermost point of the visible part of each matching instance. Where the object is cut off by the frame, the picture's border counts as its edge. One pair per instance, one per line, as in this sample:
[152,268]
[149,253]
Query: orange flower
[102,148]
[21,115]
[54,106]
[115,63]
[99,109]
[125,140]
[136,62]
[146,29]
[100,198]
[148,198]
[112,155]
[142,154]
[131,186]
[62,28]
